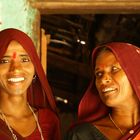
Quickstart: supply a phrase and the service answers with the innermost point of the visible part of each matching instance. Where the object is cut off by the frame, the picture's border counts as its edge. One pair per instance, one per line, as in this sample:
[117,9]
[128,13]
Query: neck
[127,113]
[127,116]
[114,123]
[14,136]
[14,106]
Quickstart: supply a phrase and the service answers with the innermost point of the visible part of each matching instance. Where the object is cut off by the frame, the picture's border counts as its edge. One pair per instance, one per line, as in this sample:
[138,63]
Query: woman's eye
[98,74]
[115,69]
[3,61]
[25,60]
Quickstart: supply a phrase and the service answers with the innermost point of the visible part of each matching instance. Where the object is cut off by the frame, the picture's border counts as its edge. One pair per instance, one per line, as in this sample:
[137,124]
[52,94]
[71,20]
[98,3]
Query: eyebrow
[96,69]
[116,63]
[22,55]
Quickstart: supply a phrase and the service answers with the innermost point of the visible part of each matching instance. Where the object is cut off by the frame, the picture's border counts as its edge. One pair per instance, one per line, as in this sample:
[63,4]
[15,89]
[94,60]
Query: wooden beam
[87,6]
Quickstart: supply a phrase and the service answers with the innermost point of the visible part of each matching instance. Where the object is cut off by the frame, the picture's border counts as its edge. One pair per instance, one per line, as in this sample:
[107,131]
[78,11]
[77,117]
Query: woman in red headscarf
[110,108]
[27,105]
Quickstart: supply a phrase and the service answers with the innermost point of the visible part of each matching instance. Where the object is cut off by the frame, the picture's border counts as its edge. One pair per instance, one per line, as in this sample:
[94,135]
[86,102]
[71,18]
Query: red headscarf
[39,93]
[91,107]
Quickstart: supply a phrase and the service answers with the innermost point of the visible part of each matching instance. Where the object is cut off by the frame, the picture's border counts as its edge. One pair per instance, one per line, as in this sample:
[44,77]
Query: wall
[19,14]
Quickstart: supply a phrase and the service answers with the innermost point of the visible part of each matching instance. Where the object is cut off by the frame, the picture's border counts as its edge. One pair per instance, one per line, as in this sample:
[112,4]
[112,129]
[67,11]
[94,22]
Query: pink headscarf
[91,107]
[39,93]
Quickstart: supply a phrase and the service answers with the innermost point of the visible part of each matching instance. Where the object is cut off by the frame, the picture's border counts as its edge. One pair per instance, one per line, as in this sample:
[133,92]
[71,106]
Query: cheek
[97,85]
[3,80]
[3,74]
[31,71]
[4,68]
[29,67]
[119,77]
[123,82]
[126,84]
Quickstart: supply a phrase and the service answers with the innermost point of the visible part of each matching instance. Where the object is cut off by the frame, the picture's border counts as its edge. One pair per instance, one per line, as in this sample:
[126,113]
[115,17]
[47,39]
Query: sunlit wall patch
[0,15]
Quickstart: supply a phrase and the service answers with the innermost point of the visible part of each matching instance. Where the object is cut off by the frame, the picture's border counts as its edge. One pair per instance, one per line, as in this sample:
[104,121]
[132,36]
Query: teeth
[19,79]
[108,89]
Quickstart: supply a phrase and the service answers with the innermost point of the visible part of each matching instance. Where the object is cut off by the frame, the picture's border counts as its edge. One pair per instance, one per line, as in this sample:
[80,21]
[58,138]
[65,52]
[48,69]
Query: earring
[34,78]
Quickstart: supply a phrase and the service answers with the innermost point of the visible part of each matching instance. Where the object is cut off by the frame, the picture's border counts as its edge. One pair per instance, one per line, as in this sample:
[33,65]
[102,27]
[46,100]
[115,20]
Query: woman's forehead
[15,47]
[106,54]
[106,58]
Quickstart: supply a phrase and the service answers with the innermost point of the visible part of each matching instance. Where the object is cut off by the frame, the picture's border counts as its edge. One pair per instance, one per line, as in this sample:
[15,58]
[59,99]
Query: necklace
[36,119]
[11,130]
[118,128]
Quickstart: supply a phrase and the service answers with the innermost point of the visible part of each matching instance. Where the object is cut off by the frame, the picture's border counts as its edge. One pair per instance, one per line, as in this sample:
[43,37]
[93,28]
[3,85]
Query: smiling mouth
[108,90]
[17,79]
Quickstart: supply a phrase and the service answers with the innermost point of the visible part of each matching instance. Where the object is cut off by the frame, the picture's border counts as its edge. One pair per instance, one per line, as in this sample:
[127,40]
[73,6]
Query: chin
[17,92]
[109,102]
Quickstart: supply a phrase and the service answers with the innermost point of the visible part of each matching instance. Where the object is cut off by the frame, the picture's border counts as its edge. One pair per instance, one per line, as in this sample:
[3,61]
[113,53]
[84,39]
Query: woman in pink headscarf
[110,108]
[27,105]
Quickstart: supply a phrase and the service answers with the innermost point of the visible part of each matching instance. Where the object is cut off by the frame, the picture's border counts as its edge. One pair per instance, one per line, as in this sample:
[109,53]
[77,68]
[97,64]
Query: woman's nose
[15,65]
[106,78]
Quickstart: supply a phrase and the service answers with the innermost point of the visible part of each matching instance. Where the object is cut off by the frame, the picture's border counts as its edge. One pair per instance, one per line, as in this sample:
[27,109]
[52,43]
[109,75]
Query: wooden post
[45,39]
